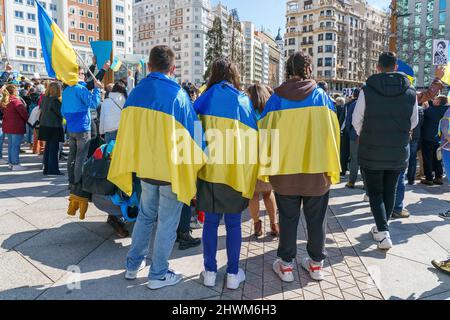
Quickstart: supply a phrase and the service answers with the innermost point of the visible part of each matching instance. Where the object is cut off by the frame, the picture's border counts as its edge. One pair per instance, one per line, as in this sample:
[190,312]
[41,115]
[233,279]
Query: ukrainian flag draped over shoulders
[231,132]
[159,138]
[59,55]
[303,137]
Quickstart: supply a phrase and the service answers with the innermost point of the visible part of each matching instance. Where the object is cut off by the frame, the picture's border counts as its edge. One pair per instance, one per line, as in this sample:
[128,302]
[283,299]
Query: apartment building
[420,22]
[180,24]
[342,36]
[78,19]
[273,61]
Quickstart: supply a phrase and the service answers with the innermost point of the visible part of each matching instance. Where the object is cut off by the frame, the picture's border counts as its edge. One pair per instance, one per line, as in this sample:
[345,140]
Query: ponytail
[5,98]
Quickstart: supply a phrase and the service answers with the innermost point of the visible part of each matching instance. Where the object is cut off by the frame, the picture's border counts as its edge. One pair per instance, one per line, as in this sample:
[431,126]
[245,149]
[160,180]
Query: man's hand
[9,68]
[107,65]
[98,84]
[440,72]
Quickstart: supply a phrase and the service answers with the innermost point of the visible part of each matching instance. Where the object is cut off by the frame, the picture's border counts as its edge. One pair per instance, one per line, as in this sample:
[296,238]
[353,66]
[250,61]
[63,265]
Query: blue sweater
[77,102]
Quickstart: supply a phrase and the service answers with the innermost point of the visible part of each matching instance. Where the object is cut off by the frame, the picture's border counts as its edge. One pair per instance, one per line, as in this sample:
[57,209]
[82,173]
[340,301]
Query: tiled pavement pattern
[38,243]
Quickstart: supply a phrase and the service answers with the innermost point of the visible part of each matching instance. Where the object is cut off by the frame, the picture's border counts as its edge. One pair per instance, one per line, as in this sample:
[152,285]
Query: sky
[270,13]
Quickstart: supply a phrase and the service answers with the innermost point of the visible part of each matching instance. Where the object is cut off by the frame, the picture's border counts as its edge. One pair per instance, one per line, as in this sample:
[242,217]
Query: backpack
[35,115]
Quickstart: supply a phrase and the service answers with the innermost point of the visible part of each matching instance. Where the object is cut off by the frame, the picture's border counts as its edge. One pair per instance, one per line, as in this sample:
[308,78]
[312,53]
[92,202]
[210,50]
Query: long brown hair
[10,90]
[53,90]
[259,95]
[224,69]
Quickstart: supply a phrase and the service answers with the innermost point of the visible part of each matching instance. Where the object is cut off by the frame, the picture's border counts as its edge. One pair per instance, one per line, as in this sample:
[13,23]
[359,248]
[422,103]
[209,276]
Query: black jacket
[430,126]
[385,135]
[51,120]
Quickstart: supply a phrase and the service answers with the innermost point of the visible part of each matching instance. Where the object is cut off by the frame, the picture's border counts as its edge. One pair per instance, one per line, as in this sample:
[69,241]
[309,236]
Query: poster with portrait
[441,52]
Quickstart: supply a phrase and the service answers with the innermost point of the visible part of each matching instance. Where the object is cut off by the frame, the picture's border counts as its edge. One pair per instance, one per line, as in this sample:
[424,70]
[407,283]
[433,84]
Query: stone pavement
[40,246]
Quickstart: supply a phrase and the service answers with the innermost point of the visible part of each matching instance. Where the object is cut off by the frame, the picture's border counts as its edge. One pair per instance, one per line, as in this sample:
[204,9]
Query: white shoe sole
[155,285]
[210,283]
[132,275]
[314,276]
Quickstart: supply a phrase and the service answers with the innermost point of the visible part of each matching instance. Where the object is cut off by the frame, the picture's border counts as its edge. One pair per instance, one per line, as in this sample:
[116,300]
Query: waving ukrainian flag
[303,137]
[59,55]
[159,138]
[231,131]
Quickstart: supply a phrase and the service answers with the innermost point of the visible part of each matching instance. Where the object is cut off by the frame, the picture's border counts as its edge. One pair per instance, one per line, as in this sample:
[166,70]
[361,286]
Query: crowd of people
[382,130]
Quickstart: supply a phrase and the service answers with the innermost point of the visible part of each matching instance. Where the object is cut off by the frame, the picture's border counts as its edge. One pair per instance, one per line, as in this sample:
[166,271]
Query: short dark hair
[120,87]
[387,60]
[323,85]
[162,58]
[442,43]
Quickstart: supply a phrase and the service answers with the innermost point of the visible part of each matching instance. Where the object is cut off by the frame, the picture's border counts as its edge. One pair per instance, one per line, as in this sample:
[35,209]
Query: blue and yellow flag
[302,137]
[231,131]
[116,65]
[59,55]
[159,138]
[407,70]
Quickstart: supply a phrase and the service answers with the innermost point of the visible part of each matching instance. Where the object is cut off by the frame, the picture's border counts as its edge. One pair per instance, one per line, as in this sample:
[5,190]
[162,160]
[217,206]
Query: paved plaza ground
[40,245]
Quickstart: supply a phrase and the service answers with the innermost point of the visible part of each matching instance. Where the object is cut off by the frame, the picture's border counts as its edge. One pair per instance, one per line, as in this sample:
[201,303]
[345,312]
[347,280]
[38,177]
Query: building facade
[421,22]
[180,24]
[77,19]
[342,36]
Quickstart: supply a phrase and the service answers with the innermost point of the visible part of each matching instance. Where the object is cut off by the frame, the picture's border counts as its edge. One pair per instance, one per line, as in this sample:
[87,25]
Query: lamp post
[394,27]
[106,34]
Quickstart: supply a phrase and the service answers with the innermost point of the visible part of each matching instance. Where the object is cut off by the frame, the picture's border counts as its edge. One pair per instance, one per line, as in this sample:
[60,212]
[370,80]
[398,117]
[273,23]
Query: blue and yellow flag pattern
[159,138]
[307,139]
[231,131]
[59,55]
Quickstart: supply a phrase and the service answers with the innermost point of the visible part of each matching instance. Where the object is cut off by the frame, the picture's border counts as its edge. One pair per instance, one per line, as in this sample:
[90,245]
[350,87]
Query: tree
[214,45]
[236,41]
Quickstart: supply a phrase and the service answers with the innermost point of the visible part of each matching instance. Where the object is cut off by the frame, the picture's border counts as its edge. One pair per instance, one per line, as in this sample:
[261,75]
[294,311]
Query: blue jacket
[77,102]
[349,119]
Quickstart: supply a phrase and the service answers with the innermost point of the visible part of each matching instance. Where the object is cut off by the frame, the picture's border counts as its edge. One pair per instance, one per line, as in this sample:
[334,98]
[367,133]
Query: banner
[441,49]
[102,51]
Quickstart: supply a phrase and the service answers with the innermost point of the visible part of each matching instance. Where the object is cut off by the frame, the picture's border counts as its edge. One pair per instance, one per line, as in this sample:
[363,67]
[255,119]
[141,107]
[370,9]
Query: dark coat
[51,120]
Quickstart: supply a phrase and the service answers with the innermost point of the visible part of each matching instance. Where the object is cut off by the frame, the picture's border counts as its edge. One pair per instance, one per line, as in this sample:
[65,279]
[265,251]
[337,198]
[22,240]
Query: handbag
[95,175]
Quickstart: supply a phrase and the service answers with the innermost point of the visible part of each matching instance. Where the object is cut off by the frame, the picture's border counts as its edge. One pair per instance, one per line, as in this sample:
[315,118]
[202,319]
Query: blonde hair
[9,91]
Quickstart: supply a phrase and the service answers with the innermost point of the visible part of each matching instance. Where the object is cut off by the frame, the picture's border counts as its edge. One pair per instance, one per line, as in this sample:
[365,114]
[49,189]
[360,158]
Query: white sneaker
[366,198]
[314,269]
[195,225]
[18,168]
[377,236]
[209,278]
[385,243]
[132,275]
[235,280]
[170,279]
[285,272]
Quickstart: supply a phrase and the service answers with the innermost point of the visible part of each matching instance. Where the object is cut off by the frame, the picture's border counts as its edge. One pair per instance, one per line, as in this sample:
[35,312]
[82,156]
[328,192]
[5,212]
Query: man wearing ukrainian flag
[304,162]
[158,141]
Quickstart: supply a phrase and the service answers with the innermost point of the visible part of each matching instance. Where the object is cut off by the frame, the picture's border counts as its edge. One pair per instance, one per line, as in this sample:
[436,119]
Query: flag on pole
[117,63]
[407,70]
[59,55]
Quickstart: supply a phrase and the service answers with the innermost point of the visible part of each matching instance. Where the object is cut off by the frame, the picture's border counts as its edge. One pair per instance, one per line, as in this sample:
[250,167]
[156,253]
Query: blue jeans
[159,206]
[2,139]
[446,160]
[412,167]
[14,141]
[400,194]
[234,241]
[29,134]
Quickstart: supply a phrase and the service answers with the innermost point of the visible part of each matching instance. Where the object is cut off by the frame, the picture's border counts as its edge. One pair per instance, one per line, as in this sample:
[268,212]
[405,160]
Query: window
[20,29]
[18,14]
[20,51]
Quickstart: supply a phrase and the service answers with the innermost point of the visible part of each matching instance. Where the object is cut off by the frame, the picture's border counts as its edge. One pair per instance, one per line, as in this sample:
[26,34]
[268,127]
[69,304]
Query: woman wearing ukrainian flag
[227,182]
[303,145]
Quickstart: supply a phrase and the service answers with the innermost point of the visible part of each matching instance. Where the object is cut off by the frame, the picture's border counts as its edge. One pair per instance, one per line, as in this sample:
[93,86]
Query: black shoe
[187,241]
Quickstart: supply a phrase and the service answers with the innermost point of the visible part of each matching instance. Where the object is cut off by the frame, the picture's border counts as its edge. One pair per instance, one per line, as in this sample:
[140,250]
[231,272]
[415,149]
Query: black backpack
[95,175]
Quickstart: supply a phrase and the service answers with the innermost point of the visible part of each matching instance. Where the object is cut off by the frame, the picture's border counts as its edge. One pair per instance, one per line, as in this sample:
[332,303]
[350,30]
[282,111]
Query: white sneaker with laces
[235,280]
[284,271]
[132,275]
[195,225]
[209,278]
[170,279]
[314,269]
[385,242]
[377,236]
[18,168]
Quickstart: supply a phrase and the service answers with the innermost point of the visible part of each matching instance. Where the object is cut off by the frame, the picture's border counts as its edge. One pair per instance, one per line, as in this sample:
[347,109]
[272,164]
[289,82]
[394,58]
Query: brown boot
[258,228]
[275,229]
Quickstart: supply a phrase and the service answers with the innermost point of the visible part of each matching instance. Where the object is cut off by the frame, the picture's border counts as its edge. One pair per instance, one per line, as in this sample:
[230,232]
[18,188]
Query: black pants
[345,151]
[315,209]
[51,161]
[430,162]
[185,219]
[381,188]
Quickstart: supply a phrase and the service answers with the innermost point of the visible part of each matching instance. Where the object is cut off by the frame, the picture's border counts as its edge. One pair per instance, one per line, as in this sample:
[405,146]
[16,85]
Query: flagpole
[84,64]
[4,47]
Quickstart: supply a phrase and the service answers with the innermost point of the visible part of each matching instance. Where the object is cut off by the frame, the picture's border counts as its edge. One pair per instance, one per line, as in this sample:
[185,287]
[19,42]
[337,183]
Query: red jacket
[15,117]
